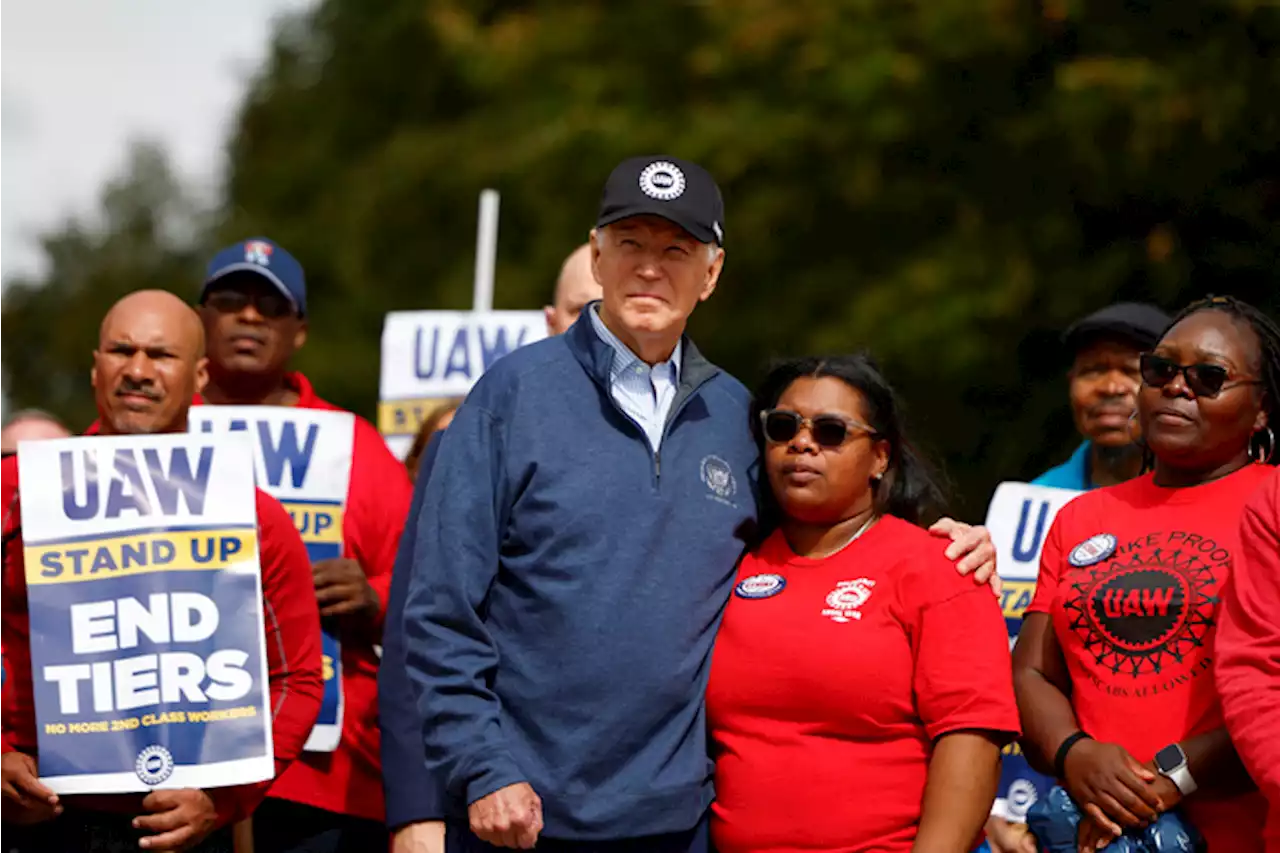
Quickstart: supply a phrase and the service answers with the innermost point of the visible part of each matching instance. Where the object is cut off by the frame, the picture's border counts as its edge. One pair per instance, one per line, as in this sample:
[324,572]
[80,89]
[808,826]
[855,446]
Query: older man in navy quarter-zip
[575,548]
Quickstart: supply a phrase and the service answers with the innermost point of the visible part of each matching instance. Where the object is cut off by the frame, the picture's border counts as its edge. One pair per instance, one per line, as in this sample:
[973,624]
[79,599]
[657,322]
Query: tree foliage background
[946,182]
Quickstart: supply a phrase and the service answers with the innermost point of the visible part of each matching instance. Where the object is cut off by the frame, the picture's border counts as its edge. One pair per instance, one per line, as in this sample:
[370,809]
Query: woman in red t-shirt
[860,688]
[1114,666]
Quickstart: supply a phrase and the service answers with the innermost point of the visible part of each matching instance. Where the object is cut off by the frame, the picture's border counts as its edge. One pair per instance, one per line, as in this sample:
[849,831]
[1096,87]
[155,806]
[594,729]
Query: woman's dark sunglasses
[782,425]
[1204,380]
[273,306]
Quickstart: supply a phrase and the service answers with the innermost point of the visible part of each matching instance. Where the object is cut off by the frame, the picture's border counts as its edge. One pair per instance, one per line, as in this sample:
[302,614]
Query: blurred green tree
[146,233]
[948,183]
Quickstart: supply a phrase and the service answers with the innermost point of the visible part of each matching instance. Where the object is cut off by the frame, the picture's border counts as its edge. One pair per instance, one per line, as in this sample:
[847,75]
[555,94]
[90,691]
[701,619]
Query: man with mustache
[1103,379]
[148,366]
[254,308]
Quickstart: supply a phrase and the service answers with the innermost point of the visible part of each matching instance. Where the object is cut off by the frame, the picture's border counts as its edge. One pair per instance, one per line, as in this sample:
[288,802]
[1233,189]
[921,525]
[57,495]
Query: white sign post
[431,356]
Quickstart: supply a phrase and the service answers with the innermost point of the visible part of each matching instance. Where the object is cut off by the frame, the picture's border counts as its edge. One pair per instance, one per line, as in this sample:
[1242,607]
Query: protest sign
[303,459]
[1019,518]
[430,356]
[144,591]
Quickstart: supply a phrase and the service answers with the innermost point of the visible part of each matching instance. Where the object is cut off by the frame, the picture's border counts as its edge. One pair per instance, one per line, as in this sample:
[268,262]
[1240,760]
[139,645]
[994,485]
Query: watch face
[1170,758]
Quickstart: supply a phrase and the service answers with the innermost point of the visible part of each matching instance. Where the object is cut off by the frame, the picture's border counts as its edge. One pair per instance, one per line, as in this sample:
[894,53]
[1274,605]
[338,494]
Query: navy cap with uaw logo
[675,189]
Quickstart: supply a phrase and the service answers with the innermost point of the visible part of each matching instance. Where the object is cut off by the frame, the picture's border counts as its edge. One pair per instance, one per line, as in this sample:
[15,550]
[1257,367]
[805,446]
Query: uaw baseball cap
[262,257]
[675,189]
[1134,322]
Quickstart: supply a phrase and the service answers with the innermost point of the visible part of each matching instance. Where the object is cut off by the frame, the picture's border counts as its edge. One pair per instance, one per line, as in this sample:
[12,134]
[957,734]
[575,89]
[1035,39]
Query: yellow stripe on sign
[405,417]
[1016,597]
[139,554]
[316,523]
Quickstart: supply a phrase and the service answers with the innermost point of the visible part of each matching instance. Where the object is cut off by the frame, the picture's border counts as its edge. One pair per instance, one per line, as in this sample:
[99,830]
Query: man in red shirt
[149,364]
[254,308]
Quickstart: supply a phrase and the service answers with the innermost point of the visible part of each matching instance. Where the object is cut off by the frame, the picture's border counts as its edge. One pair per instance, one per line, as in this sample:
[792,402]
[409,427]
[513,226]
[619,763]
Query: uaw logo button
[760,586]
[154,765]
[1093,550]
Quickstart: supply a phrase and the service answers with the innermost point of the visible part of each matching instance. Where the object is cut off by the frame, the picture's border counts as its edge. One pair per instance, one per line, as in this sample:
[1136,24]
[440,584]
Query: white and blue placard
[303,459]
[1019,518]
[431,356]
[144,591]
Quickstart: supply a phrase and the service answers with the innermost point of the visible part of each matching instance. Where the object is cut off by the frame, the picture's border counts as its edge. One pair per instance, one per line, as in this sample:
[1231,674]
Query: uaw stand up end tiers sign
[145,596]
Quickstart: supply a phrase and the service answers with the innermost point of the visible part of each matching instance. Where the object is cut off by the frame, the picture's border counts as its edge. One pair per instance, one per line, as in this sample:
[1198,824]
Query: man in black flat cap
[1103,386]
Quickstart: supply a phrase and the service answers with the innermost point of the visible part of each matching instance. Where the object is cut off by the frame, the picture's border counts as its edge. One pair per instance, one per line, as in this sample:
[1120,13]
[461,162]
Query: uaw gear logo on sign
[154,764]
[258,252]
[662,180]
[1021,797]
[844,601]
[718,477]
[1145,614]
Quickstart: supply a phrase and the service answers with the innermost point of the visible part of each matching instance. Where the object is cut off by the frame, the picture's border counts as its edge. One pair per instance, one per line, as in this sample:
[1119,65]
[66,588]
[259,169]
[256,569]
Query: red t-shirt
[1131,576]
[349,779]
[830,681]
[1249,648]
[291,627]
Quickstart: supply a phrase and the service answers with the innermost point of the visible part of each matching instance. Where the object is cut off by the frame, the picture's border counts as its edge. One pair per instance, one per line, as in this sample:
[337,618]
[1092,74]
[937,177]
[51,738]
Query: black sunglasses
[782,425]
[273,306]
[1204,380]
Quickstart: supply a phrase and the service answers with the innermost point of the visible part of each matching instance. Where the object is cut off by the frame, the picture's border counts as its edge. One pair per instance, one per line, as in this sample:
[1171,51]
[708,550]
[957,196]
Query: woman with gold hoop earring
[1114,667]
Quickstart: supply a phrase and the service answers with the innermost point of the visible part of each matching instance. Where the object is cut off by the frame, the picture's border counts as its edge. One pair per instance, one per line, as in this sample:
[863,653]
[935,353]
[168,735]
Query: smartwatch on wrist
[1172,763]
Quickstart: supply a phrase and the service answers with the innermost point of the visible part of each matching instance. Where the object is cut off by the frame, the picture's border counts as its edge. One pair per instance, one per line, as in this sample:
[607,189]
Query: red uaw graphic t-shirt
[1132,577]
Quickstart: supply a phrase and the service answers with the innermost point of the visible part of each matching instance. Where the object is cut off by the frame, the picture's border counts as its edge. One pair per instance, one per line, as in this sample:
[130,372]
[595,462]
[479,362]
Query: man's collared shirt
[643,392]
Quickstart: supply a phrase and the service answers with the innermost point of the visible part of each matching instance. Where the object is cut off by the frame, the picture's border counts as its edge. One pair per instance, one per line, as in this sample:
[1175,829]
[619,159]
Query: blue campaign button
[760,586]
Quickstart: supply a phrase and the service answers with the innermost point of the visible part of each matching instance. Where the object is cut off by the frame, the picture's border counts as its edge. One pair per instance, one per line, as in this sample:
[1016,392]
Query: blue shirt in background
[1072,474]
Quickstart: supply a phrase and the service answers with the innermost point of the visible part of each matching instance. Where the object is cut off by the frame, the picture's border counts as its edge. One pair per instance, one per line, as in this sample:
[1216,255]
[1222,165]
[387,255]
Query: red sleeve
[292,627]
[963,674]
[1051,559]
[378,499]
[17,707]
[1248,644]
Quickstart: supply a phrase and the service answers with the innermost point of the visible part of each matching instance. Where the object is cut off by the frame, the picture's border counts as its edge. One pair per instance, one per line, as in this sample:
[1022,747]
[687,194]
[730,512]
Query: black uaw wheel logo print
[1143,618]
